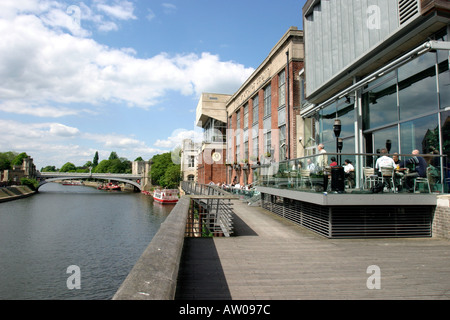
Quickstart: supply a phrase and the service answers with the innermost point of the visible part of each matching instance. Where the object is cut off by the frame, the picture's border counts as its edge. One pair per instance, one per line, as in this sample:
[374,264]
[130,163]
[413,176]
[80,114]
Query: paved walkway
[270,258]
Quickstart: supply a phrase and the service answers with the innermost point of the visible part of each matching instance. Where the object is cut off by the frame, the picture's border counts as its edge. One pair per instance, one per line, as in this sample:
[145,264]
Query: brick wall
[441,220]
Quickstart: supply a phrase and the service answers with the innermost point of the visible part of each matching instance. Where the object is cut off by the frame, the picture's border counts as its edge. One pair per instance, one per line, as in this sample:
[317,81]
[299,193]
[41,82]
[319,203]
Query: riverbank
[14,193]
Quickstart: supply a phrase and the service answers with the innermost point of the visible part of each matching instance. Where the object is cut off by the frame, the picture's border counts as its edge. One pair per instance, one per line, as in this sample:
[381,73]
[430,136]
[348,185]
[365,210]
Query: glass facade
[406,109]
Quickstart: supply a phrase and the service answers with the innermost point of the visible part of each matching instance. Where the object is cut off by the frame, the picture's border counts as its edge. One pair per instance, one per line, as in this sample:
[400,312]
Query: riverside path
[271,258]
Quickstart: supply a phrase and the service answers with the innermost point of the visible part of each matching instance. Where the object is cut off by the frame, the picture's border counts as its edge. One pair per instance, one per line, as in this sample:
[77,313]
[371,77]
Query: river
[102,233]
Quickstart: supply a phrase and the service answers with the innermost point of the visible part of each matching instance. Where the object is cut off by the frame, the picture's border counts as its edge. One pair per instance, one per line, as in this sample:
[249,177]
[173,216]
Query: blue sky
[123,75]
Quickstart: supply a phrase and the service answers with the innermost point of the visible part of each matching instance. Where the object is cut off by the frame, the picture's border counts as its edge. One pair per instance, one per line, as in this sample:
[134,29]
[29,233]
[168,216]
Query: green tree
[6,159]
[18,160]
[172,177]
[95,160]
[164,172]
[31,183]
[113,156]
[68,167]
[49,169]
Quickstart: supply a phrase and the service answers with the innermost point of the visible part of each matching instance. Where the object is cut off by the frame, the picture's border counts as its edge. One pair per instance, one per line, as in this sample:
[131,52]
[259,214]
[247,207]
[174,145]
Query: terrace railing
[318,173]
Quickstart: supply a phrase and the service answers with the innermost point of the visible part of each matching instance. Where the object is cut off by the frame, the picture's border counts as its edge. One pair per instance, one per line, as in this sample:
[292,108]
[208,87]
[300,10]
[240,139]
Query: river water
[102,233]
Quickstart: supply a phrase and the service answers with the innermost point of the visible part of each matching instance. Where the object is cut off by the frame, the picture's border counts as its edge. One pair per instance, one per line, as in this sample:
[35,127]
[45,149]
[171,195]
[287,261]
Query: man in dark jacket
[420,170]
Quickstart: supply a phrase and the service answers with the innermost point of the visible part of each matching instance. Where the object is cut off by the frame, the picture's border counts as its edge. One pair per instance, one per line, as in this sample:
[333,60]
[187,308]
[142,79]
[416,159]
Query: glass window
[346,113]
[282,145]
[444,84]
[385,138]
[255,109]
[445,127]
[246,116]
[281,116]
[255,142]
[238,119]
[282,88]
[421,134]
[380,104]
[267,100]
[268,142]
[326,121]
[417,86]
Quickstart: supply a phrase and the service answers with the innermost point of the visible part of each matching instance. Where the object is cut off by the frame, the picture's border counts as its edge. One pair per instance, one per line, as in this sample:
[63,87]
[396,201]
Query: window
[255,109]
[417,86]
[255,144]
[380,102]
[246,116]
[283,146]
[268,143]
[421,134]
[238,119]
[191,162]
[267,100]
[282,88]
[191,177]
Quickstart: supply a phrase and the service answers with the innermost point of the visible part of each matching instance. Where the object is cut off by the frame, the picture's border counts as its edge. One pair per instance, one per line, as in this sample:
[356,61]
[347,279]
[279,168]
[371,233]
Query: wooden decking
[270,258]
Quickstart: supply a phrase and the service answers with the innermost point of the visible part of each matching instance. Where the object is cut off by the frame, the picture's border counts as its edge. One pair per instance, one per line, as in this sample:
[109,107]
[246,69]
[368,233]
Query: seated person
[311,167]
[349,171]
[384,161]
[333,162]
[420,170]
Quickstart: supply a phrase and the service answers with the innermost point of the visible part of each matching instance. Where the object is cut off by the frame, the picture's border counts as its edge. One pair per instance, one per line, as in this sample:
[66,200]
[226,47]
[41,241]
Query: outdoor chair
[305,177]
[370,179]
[387,175]
[419,180]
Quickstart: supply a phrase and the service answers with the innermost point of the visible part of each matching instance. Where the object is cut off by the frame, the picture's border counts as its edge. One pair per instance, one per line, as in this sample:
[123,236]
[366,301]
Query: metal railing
[210,212]
[315,173]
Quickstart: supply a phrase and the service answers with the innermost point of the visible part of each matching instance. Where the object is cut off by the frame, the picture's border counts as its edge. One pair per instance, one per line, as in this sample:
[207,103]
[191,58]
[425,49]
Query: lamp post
[337,132]
[337,172]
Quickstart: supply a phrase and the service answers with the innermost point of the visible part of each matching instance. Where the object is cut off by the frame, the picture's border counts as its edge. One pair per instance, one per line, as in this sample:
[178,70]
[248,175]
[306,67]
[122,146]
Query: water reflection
[103,233]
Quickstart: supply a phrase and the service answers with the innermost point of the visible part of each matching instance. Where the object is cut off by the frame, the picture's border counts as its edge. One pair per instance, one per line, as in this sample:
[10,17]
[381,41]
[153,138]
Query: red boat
[166,195]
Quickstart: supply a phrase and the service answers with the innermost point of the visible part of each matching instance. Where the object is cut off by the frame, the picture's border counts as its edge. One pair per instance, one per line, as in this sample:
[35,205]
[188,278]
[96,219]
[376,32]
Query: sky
[124,75]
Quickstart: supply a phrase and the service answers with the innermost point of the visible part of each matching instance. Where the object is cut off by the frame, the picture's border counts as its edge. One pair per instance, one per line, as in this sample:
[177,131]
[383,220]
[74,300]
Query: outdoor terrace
[328,200]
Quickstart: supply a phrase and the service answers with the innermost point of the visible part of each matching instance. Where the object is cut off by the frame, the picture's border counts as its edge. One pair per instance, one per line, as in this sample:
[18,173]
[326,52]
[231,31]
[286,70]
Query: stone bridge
[136,180]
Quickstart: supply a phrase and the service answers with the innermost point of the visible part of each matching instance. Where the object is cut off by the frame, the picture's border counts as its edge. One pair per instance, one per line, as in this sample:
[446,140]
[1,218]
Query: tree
[164,172]
[113,156]
[171,177]
[68,167]
[18,160]
[49,169]
[6,159]
[95,160]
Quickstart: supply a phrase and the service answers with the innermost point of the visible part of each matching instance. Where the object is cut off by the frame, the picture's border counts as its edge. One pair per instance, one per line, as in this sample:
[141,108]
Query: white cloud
[122,10]
[177,138]
[169,7]
[40,65]
[61,130]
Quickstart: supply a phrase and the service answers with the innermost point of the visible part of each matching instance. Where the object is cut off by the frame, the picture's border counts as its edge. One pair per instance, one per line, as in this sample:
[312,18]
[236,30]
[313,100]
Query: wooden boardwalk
[272,259]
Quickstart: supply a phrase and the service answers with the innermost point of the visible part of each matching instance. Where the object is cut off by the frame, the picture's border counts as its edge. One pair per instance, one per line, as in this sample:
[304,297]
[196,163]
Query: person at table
[311,167]
[333,162]
[384,161]
[349,171]
[420,169]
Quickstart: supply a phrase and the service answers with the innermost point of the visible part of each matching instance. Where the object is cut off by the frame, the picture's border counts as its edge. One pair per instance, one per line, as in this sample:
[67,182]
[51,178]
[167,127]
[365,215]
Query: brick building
[263,119]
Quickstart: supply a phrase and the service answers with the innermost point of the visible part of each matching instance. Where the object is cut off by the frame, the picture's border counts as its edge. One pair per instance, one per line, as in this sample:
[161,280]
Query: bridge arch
[134,183]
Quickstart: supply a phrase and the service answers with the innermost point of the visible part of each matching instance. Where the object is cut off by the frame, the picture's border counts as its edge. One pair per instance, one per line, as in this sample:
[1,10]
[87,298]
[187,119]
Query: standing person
[323,158]
[420,169]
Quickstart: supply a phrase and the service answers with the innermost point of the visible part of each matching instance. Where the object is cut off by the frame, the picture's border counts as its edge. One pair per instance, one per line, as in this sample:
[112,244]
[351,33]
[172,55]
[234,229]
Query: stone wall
[441,220]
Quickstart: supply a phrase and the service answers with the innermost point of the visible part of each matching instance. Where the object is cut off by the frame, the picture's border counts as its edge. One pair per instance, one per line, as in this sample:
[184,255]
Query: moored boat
[166,195]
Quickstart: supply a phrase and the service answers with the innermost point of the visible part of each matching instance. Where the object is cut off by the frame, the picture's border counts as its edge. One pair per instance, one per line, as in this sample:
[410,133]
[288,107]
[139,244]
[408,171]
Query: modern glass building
[384,73]
[380,69]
